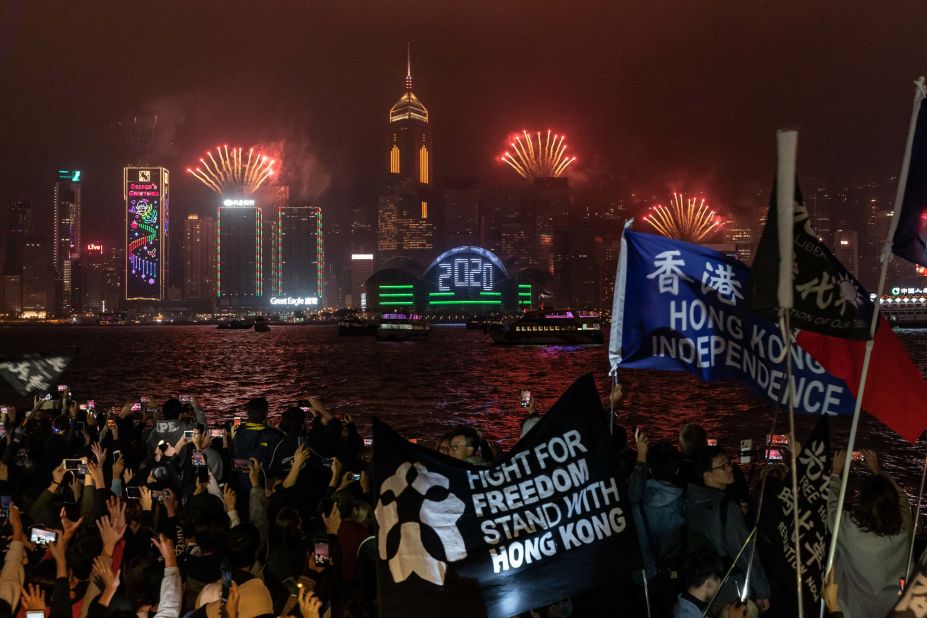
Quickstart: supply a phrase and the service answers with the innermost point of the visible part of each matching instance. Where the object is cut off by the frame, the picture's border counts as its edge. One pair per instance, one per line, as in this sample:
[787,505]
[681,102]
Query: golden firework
[537,157]
[229,172]
[691,219]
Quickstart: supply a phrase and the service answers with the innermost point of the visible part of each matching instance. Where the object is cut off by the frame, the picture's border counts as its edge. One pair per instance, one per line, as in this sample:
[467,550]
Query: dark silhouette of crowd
[151,510]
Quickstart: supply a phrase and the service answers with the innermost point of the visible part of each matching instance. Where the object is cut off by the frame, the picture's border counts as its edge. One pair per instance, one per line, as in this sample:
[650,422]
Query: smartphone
[133,493]
[774,454]
[116,454]
[525,398]
[291,586]
[712,441]
[5,502]
[74,464]
[354,476]
[320,552]
[368,442]
[157,495]
[62,388]
[35,614]
[46,398]
[198,459]
[327,461]
[217,433]
[41,536]
[241,465]
[136,407]
[186,398]
[413,440]
[162,445]
[83,407]
[777,439]
[188,434]
[236,422]
[305,409]
[226,584]
[91,404]
[858,456]
[144,399]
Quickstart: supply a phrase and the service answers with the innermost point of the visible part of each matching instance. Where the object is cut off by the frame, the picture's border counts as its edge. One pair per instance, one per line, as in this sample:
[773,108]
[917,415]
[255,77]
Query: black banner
[813,479]
[33,374]
[910,239]
[826,297]
[546,522]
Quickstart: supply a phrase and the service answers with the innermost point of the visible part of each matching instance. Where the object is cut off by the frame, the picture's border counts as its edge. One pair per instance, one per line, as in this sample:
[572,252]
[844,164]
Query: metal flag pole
[886,257]
[793,444]
[729,570]
[917,517]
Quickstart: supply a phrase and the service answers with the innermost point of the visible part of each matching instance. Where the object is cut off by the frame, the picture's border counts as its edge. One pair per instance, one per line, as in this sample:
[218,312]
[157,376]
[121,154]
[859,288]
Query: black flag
[33,373]
[913,603]
[547,521]
[827,299]
[813,479]
[910,239]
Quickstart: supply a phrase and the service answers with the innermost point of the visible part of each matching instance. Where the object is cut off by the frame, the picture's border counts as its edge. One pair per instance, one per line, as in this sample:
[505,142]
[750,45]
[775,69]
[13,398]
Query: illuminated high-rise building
[94,265]
[461,212]
[18,226]
[405,210]
[361,270]
[299,267]
[240,254]
[147,209]
[38,278]
[65,235]
[199,258]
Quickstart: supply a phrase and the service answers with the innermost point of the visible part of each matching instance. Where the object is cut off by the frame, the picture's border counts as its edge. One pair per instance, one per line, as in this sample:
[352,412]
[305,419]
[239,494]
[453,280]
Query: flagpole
[917,517]
[886,258]
[793,449]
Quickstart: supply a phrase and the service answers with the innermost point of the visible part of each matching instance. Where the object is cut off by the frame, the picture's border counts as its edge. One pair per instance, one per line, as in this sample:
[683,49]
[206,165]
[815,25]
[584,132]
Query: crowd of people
[153,511]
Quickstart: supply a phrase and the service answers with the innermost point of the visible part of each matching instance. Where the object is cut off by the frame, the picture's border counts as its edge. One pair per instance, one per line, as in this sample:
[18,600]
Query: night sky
[653,96]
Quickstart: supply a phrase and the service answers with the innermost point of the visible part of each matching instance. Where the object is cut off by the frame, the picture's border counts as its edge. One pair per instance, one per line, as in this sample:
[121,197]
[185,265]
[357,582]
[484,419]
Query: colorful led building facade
[240,254]
[405,217]
[147,203]
[299,267]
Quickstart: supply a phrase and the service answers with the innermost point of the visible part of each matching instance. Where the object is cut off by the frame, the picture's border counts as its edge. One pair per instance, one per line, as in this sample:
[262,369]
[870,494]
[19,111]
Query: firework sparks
[230,172]
[538,157]
[689,219]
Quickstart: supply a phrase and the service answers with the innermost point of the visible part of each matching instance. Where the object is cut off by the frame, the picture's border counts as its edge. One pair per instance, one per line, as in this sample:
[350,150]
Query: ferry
[402,327]
[355,325]
[552,327]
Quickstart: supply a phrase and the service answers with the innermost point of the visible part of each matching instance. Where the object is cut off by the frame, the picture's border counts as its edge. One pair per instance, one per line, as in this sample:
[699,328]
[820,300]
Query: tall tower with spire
[404,219]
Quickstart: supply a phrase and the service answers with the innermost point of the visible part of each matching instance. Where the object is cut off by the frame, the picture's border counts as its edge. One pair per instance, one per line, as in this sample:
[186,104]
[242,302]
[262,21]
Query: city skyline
[629,86]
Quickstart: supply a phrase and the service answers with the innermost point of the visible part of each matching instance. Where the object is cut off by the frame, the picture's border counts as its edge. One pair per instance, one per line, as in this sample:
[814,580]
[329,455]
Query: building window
[424,210]
[394,160]
[423,165]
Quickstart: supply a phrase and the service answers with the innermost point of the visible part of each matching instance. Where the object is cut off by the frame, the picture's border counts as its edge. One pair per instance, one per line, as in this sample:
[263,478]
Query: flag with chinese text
[680,306]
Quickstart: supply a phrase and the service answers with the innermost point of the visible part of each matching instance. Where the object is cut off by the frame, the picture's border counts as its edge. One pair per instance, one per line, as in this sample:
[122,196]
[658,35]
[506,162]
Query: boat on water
[356,326]
[397,326]
[552,327]
[235,325]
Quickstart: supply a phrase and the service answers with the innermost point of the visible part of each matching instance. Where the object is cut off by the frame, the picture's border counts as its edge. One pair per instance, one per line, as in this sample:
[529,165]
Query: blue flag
[680,306]
[910,238]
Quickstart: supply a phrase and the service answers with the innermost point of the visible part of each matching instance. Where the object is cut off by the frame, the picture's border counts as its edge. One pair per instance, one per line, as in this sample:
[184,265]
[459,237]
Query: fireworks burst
[691,219]
[230,172]
[538,157]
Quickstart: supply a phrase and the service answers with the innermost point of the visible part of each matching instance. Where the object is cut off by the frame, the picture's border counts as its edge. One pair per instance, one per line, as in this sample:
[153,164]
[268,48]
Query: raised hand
[871,460]
[69,528]
[144,498]
[228,494]
[166,547]
[643,444]
[110,534]
[309,604]
[119,465]
[169,500]
[33,598]
[58,473]
[332,520]
[16,522]
[254,472]
[95,471]
[300,456]
[99,453]
[117,512]
[840,460]
[109,579]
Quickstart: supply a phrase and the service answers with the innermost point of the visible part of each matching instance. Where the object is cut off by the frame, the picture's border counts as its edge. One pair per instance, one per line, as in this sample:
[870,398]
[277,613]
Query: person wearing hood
[715,522]
[659,512]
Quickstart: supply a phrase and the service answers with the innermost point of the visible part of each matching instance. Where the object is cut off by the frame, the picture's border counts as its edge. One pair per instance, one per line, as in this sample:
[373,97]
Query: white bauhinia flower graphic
[417,518]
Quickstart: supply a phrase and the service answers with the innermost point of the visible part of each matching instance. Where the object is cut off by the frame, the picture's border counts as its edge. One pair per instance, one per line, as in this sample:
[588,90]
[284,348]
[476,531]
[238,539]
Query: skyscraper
[38,278]
[405,209]
[240,254]
[461,212]
[199,258]
[18,226]
[299,270]
[147,208]
[94,277]
[65,235]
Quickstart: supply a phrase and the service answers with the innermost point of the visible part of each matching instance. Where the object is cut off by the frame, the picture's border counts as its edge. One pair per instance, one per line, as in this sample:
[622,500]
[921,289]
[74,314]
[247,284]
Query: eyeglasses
[725,466]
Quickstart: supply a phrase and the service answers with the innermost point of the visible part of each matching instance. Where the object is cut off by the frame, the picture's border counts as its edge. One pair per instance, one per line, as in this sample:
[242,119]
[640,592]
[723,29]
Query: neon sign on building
[146,200]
